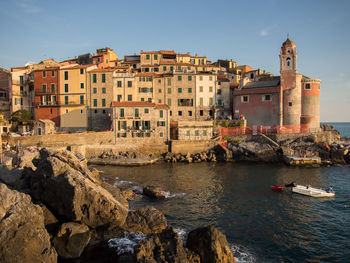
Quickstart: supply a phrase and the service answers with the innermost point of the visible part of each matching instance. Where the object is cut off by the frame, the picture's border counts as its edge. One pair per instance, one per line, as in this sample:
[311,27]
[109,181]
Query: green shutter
[94,77]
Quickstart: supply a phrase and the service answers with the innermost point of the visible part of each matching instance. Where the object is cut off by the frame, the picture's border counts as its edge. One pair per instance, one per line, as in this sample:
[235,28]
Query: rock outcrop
[253,151]
[210,244]
[68,188]
[164,247]
[146,220]
[71,240]
[154,192]
[23,236]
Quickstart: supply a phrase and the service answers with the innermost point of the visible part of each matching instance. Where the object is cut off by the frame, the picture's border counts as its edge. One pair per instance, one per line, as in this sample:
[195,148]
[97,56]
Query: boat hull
[277,188]
[310,191]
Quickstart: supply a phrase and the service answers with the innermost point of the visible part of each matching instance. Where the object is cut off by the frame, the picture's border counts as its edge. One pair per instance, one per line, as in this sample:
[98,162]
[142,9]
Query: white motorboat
[310,191]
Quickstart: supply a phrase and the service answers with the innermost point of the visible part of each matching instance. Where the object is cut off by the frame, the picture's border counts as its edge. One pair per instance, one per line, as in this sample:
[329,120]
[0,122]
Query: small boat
[277,188]
[310,191]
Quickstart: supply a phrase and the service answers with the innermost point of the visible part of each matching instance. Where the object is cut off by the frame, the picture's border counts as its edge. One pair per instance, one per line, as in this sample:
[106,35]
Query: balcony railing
[45,92]
[47,103]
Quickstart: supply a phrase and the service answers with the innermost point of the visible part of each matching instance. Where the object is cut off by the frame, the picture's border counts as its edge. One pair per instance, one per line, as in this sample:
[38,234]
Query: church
[290,100]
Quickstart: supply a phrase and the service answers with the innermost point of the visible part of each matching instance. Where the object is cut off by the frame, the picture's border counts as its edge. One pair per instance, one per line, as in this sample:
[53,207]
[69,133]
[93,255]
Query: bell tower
[288,56]
[290,85]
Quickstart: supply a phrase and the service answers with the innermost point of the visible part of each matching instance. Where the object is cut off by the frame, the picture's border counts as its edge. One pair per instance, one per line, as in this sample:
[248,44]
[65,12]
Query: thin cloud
[29,6]
[266,31]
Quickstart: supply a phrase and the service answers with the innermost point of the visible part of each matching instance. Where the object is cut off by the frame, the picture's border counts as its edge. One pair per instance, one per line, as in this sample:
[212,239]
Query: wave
[182,234]
[242,254]
[171,195]
[127,243]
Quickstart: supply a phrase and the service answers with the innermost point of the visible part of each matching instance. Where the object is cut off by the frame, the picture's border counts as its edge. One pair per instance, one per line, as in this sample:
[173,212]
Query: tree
[21,116]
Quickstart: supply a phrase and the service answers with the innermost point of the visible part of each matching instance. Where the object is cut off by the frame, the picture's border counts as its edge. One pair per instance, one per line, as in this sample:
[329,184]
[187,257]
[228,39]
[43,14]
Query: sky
[249,32]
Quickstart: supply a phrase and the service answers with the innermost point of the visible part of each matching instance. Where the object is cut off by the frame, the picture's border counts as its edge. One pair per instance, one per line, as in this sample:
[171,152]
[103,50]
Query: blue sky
[249,32]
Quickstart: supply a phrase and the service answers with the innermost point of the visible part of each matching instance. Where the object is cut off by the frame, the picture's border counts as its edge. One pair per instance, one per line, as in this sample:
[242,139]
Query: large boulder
[24,159]
[69,190]
[164,247]
[254,151]
[211,245]
[23,236]
[154,192]
[146,220]
[71,240]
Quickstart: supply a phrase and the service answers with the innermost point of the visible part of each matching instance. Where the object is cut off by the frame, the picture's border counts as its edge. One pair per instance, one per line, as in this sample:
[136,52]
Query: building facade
[5,84]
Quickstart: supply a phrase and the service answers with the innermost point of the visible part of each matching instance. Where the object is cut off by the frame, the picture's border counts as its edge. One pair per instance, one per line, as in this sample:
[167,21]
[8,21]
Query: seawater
[260,225]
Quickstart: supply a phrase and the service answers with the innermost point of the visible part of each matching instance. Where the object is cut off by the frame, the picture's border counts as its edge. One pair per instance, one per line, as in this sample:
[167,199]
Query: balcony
[46,92]
[47,104]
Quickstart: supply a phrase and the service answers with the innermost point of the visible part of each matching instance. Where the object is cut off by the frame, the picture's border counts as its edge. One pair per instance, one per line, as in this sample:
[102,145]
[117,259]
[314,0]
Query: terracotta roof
[149,52]
[183,55]
[5,70]
[288,42]
[146,74]
[232,85]
[103,70]
[162,106]
[223,78]
[167,52]
[50,68]
[79,66]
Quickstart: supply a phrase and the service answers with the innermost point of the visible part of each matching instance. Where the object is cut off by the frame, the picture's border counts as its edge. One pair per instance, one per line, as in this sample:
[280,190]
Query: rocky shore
[58,210]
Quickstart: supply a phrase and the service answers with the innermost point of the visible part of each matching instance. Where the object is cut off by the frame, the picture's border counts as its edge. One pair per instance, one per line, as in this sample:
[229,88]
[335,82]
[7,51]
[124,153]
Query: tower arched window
[288,51]
[288,62]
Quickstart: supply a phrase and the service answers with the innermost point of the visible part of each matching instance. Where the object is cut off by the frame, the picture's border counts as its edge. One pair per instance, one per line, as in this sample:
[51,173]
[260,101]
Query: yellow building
[72,98]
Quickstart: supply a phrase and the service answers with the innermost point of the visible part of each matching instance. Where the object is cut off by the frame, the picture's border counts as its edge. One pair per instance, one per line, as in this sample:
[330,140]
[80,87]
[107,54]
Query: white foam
[122,182]
[242,254]
[182,234]
[171,195]
[137,189]
[127,243]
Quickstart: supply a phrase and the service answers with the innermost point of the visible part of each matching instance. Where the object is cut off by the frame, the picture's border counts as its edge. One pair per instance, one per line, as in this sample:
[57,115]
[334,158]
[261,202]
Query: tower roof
[288,42]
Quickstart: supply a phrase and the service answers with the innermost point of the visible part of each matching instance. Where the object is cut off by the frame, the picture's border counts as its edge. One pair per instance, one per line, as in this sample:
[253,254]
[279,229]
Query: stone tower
[290,85]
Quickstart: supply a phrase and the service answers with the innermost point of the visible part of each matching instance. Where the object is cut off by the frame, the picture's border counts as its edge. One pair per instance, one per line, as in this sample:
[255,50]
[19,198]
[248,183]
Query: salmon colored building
[46,90]
[290,100]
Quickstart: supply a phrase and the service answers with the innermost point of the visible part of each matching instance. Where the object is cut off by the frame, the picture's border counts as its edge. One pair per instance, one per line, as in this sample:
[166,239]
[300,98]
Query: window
[169,90]
[210,77]
[288,62]
[21,101]
[129,83]
[21,90]
[159,91]
[53,88]
[219,102]
[180,113]
[147,56]
[200,88]
[94,90]
[81,71]
[142,99]
[81,111]
[190,113]
[179,78]
[52,73]
[201,112]
[171,68]
[119,83]
[95,102]
[129,97]
[266,97]
[119,98]
[66,75]
[149,99]
[164,68]
[121,113]
[65,99]
[103,78]
[44,74]
[169,81]
[245,99]
[189,90]
[290,104]
[179,90]
[82,85]
[210,101]
[67,111]
[50,111]
[201,101]
[103,102]
[104,111]
[251,75]
[171,113]
[21,79]
[82,99]
[156,57]
[95,111]
[94,78]
[104,90]
[169,102]
[219,91]
[307,86]
[137,113]
[200,77]
[204,133]
[189,78]
[44,88]
[210,89]
[146,110]
[107,61]
[196,132]
[66,87]
[188,133]
[161,113]
[161,135]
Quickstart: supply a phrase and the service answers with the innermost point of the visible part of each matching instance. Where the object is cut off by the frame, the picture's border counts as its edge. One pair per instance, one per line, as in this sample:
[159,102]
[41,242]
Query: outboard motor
[292,184]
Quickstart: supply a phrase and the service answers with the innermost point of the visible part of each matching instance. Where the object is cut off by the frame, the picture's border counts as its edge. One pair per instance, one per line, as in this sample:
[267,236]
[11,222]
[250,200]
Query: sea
[260,225]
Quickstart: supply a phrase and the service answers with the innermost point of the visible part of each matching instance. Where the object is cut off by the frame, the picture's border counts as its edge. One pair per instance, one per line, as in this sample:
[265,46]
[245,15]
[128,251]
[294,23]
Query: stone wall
[191,147]
[93,138]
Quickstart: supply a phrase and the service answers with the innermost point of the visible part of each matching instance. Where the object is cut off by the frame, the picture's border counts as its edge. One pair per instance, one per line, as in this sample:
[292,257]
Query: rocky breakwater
[68,213]
[208,156]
